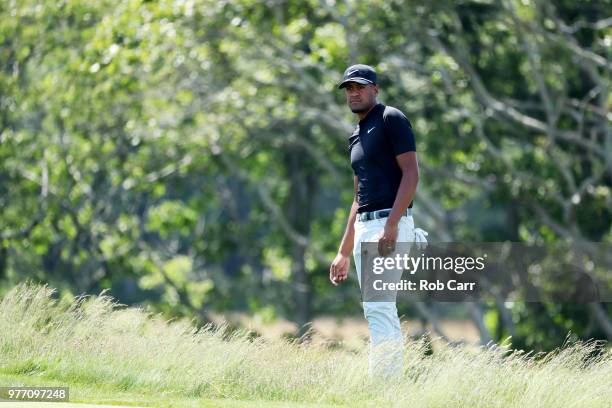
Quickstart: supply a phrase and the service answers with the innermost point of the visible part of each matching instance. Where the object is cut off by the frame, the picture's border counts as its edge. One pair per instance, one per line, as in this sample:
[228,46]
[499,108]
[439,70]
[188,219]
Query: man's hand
[386,243]
[338,271]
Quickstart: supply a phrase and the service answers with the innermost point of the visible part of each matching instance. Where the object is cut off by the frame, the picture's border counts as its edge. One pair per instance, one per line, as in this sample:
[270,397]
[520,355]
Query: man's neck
[362,115]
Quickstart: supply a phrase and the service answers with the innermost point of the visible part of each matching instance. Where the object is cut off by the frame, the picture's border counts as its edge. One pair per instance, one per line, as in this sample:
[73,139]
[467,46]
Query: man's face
[360,98]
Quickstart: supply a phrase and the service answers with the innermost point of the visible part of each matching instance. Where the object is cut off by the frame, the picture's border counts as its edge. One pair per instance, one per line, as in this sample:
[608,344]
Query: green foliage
[198,149]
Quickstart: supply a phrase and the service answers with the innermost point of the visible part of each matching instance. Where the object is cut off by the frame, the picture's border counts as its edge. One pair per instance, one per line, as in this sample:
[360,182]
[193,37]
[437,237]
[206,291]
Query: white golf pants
[386,340]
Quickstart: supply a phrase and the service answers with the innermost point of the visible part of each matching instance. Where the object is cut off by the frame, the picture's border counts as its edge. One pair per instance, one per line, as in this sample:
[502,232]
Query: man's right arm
[346,245]
[338,271]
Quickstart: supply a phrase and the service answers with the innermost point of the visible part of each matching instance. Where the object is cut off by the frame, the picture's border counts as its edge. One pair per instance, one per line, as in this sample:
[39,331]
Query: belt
[374,215]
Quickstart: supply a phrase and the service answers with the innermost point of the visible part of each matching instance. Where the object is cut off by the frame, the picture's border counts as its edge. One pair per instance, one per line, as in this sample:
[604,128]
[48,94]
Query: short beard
[359,110]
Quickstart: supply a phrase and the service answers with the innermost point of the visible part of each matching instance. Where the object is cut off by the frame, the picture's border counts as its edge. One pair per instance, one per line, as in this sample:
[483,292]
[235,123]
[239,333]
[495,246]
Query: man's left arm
[405,194]
[407,188]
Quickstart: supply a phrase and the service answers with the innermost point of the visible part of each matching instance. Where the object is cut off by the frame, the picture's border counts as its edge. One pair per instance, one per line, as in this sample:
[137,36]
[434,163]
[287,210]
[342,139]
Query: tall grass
[92,340]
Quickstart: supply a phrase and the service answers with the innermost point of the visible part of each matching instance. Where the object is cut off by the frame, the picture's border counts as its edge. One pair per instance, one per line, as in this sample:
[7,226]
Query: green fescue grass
[114,355]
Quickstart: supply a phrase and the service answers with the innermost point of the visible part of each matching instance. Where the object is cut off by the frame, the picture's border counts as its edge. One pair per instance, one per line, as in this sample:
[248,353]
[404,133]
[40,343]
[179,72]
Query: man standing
[383,157]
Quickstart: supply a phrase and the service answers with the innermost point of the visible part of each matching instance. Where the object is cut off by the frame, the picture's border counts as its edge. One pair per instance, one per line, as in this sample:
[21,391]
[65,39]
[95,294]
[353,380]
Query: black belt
[374,215]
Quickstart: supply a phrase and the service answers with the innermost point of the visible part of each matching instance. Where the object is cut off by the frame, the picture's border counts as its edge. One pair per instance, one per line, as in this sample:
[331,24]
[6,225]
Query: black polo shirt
[384,133]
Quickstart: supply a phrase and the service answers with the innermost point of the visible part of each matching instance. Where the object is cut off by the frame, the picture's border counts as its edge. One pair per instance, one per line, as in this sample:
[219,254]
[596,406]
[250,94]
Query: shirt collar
[376,107]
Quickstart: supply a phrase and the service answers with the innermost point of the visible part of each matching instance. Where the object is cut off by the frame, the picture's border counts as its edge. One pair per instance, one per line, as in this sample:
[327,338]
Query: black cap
[360,73]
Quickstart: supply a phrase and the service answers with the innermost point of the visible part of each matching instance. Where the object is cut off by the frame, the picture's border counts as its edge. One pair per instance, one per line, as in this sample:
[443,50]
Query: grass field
[112,355]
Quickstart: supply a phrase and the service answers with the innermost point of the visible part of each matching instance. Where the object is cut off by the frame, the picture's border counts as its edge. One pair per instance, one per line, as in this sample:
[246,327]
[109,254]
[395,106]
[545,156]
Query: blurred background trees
[192,155]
